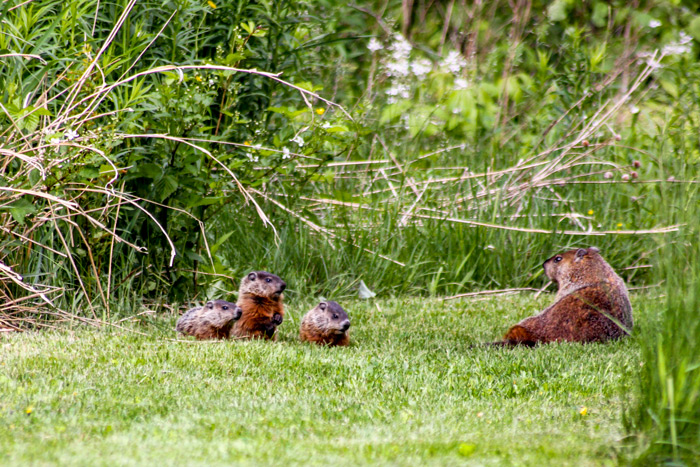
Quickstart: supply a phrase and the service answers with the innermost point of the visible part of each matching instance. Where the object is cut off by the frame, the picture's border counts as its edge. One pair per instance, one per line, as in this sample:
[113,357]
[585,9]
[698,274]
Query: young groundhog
[212,321]
[260,298]
[326,324]
[591,305]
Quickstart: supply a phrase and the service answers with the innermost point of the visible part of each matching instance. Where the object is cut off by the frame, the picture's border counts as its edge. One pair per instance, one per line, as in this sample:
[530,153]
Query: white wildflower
[398,90]
[285,153]
[326,125]
[654,23]
[653,64]
[55,140]
[489,247]
[454,62]
[684,38]
[400,52]
[421,67]
[675,48]
[71,135]
[298,139]
[398,68]
[401,48]
[634,109]
[460,83]
[374,45]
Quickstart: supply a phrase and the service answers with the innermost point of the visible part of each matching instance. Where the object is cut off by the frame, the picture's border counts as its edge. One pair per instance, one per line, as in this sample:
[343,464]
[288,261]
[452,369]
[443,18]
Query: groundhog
[326,324]
[212,321]
[591,305]
[260,298]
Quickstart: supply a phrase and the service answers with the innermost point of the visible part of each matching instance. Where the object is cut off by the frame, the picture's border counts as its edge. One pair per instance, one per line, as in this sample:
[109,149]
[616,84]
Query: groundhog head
[263,284]
[331,317]
[565,267]
[228,307]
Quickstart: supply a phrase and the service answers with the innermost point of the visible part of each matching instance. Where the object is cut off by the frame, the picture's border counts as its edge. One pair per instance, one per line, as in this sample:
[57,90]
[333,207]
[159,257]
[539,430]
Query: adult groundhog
[591,305]
[212,321]
[326,324]
[260,298]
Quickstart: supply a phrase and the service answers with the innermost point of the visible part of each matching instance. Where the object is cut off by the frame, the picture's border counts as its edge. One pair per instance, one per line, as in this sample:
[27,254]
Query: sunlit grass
[410,389]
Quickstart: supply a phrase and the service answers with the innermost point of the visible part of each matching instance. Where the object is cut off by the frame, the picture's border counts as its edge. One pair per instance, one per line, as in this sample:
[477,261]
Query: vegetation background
[151,153]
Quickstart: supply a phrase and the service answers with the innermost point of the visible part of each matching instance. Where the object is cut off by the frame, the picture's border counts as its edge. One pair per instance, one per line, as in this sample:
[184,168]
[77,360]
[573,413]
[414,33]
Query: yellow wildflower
[590,212]
[29,410]
[247,143]
[619,224]
[198,78]
[212,4]
[583,411]
[320,111]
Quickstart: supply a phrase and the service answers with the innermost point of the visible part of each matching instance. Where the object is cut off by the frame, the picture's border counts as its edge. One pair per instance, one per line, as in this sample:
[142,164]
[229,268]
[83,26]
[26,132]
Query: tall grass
[141,158]
[664,418]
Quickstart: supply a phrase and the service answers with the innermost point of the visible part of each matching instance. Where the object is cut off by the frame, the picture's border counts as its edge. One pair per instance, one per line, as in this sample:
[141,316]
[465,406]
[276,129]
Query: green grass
[409,390]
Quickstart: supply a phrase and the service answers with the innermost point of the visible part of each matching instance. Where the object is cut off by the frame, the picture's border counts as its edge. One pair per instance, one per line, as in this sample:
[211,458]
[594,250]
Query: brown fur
[591,305]
[326,324]
[212,321]
[260,297]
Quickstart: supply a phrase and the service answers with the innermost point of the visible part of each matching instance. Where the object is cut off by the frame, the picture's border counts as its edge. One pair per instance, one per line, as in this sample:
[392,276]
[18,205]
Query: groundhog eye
[268,280]
[335,316]
[225,307]
[557,259]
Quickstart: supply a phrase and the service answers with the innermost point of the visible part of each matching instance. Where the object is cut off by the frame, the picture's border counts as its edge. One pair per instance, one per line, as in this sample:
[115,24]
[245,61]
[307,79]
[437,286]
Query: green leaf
[234,58]
[149,170]
[337,129]
[600,14]
[20,209]
[558,10]
[694,28]
[89,173]
[669,86]
[220,242]
[166,187]
[394,111]
[195,257]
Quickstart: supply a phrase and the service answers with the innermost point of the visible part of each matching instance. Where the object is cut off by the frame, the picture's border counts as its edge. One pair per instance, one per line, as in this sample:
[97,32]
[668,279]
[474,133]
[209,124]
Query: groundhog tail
[518,335]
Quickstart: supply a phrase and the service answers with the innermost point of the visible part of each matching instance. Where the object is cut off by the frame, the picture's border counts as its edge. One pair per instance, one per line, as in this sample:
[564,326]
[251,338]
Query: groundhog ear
[594,249]
[252,276]
[580,253]
[210,305]
[322,305]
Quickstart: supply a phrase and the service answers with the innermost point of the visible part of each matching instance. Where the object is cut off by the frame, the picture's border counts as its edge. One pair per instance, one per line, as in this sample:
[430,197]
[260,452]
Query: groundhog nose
[346,325]
[283,286]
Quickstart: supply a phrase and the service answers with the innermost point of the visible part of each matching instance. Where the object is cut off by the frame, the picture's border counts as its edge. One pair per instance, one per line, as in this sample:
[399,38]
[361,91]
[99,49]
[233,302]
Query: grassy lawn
[409,390]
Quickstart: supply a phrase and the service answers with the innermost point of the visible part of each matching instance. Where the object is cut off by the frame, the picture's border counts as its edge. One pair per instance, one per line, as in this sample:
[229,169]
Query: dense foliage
[159,150]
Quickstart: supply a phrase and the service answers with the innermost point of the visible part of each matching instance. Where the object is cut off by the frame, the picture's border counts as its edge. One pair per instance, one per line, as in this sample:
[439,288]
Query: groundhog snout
[277,319]
[283,286]
[237,313]
[345,325]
